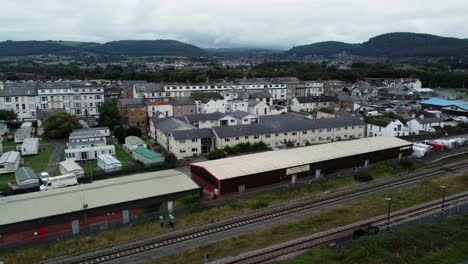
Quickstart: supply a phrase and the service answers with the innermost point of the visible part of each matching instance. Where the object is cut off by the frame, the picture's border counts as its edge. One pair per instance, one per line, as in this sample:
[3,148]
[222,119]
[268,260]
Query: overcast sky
[229,23]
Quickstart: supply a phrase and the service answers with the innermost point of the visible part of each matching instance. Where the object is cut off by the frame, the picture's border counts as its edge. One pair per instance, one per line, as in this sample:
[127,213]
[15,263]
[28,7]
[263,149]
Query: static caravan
[108,163]
[26,178]
[4,128]
[22,133]
[9,162]
[133,142]
[70,166]
[147,157]
[30,146]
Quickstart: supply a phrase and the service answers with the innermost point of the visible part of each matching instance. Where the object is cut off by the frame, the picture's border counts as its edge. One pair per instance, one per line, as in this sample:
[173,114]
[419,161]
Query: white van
[59,182]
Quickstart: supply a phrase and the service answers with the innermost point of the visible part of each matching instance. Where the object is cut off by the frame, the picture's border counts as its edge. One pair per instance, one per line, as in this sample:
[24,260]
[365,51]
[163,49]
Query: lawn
[40,161]
[123,156]
[7,177]
[323,220]
[426,243]
[89,167]
[4,188]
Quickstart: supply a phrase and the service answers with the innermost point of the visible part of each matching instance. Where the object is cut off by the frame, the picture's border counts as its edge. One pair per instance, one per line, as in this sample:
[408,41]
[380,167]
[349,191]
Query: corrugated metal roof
[147,153]
[9,157]
[273,160]
[18,208]
[134,140]
[443,103]
[25,173]
[30,141]
[70,165]
[108,159]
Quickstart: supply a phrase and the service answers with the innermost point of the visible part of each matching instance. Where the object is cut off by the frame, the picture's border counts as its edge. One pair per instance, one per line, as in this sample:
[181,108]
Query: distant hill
[391,45]
[123,47]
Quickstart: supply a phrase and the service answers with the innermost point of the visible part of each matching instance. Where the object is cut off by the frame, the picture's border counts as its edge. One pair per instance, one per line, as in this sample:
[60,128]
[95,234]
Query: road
[56,155]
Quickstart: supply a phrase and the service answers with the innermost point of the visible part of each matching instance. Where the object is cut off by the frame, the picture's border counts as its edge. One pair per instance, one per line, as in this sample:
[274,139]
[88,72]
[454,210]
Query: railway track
[337,234]
[152,244]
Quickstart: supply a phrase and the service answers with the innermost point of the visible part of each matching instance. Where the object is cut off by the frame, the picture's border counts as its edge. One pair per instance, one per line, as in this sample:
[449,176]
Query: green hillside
[123,47]
[392,45]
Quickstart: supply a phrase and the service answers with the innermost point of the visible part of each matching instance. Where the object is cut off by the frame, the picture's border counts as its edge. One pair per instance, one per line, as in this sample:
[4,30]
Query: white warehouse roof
[274,160]
[30,206]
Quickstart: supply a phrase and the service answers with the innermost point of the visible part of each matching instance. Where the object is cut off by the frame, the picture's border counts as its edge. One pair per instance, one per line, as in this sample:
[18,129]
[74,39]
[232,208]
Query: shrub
[245,147]
[407,163]
[289,144]
[216,154]
[363,176]
[260,146]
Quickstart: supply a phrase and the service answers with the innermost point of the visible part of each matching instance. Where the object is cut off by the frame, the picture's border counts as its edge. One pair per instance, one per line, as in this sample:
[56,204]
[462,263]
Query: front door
[75,227]
[84,155]
[293,179]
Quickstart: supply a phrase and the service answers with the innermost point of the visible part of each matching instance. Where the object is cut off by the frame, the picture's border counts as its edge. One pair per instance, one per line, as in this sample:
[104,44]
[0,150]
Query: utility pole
[389,201]
[444,188]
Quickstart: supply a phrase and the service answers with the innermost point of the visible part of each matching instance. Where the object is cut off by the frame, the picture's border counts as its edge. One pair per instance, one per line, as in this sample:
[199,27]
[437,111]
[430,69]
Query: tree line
[431,74]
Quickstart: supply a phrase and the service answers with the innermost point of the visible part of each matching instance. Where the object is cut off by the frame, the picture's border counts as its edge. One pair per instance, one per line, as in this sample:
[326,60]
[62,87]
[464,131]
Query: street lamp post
[389,201]
[444,188]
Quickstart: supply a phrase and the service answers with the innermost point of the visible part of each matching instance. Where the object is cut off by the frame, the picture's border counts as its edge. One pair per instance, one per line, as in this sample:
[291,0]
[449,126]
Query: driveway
[58,146]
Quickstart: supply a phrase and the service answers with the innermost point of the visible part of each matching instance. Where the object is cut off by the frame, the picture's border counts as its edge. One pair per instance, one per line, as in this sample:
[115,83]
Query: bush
[260,146]
[245,147]
[289,144]
[407,163]
[216,154]
[363,176]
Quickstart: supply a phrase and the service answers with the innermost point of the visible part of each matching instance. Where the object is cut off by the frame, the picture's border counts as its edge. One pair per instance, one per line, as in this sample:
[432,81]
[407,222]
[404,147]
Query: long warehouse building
[235,175]
[70,209]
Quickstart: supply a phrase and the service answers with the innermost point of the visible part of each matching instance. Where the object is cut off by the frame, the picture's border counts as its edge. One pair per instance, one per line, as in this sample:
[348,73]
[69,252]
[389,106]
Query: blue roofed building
[456,108]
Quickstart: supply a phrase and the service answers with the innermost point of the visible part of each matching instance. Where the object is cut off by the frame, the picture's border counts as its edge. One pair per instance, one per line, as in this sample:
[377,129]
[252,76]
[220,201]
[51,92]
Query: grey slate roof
[182,101]
[346,97]
[316,99]
[429,120]
[131,102]
[239,114]
[290,125]
[148,87]
[192,133]
[18,90]
[169,124]
[204,117]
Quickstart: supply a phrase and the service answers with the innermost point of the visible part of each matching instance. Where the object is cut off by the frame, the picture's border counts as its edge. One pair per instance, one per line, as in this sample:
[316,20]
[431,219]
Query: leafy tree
[121,133]
[216,154]
[134,131]
[7,115]
[109,114]
[60,125]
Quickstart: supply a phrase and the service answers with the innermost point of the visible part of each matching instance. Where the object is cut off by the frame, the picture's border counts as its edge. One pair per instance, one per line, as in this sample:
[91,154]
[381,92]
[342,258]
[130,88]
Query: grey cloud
[216,23]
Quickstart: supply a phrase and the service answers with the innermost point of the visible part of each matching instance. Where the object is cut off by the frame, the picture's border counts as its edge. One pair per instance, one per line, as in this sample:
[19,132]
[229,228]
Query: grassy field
[326,219]
[89,167]
[7,177]
[318,221]
[123,156]
[40,161]
[445,241]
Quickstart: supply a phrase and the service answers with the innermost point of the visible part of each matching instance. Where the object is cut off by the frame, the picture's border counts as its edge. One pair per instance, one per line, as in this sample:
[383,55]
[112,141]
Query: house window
[237,138]
[294,133]
[286,133]
[182,151]
[267,135]
[276,134]
[194,150]
[227,139]
[7,99]
[194,140]
[182,141]
[246,137]
[304,132]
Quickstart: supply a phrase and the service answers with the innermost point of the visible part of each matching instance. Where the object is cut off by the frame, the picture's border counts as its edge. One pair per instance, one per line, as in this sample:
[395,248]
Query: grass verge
[324,220]
[40,161]
[445,241]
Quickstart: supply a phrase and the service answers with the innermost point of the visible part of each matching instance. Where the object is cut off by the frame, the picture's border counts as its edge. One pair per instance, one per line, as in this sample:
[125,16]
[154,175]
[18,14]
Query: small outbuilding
[70,166]
[26,178]
[108,163]
[133,142]
[30,146]
[147,156]
[9,162]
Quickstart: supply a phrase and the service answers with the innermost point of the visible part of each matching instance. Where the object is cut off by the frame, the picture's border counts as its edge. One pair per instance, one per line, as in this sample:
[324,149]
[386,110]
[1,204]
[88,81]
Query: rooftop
[9,157]
[443,103]
[25,173]
[192,133]
[147,153]
[70,165]
[118,190]
[131,102]
[108,159]
[273,160]
[134,140]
